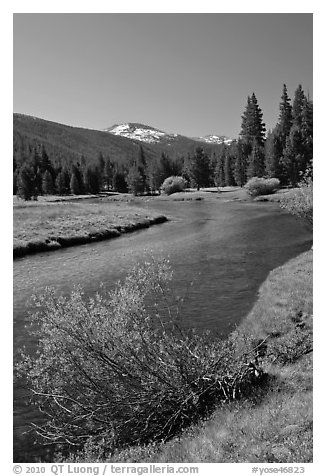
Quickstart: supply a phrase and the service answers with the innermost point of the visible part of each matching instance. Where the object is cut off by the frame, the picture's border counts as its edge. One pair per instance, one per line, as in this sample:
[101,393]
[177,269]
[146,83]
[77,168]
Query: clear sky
[188,73]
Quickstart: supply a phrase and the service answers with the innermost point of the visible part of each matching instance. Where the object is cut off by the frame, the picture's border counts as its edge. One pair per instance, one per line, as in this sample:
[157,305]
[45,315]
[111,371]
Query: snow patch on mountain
[140,132]
[214,139]
[151,135]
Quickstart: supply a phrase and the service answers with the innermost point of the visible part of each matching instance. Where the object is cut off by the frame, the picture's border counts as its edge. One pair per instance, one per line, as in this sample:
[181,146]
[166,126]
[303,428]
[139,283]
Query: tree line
[285,152]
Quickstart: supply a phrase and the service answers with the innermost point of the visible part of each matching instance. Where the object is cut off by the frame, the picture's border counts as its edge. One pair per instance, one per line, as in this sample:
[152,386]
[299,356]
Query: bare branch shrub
[115,368]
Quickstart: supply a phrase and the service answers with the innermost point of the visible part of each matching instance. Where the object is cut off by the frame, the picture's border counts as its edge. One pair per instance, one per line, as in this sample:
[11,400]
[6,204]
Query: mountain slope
[140,132]
[68,144]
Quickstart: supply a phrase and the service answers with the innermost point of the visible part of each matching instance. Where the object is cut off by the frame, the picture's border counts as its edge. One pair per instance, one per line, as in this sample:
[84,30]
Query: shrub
[299,202]
[115,368]
[173,184]
[261,186]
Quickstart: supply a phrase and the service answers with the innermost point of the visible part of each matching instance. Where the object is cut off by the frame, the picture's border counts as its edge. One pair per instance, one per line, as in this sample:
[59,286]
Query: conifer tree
[47,183]
[100,166]
[240,164]
[155,174]
[285,120]
[62,182]
[26,182]
[307,132]
[228,169]
[252,127]
[35,163]
[108,172]
[256,166]
[92,180]
[273,155]
[142,168]
[119,180]
[298,105]
[135,181]
[199,168]
[74,184]
[77,172]
[166,166]
[219,167]
[293,156]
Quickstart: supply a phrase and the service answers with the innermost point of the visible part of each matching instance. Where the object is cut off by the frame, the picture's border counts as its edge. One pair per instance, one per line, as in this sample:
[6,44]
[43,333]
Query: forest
[284,152]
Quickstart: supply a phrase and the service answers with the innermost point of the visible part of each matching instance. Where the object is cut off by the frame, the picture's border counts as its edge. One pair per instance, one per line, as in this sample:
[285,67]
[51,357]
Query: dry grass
[45,225]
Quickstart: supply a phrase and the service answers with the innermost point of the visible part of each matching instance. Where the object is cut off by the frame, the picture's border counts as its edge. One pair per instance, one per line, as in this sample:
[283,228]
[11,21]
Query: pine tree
[285,120]
[252,127]
[293,156]
[273,155]
[228,170]
[101,169]
[219,167]
[298,105]
[108,173]
[35,162]
[155,174]
[74,184]
[167,166]
[240,164]
[62,182]
[77,172]
[135,181]
[199,168]
[47,183]
[142,168]
[119,180]
[307,132]
[92,182]
[26,182]
[256,166]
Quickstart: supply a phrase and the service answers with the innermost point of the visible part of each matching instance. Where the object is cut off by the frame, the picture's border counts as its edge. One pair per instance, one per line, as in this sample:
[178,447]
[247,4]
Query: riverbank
[53,222]
[49,225]
[274,425]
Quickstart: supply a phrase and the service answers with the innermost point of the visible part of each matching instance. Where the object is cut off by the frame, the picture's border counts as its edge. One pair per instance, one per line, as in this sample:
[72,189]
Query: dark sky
[188,73]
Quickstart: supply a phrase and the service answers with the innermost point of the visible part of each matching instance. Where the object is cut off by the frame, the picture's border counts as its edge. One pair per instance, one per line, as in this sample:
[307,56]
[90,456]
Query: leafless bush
[114,368]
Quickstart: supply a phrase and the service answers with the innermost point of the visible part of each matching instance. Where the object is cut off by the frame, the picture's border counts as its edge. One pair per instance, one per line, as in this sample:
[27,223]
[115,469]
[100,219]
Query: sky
[187,73]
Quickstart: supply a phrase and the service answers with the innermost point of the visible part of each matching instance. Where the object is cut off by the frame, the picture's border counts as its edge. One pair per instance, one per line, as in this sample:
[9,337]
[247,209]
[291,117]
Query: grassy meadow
[53,222]
[44,225]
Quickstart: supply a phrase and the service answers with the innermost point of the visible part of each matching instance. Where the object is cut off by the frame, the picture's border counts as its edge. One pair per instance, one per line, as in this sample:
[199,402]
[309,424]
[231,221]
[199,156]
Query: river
[225,249]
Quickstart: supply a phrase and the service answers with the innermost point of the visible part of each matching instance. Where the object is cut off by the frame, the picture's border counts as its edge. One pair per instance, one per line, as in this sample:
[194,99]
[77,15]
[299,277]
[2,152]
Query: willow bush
[261,186]
[117,368]
[173,184]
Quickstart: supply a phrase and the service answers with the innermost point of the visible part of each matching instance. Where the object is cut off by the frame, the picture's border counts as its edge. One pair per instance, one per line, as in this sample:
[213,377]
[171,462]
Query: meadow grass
[44,225]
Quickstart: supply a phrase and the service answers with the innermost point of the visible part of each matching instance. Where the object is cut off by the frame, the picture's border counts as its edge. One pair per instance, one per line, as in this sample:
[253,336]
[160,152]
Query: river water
[225,249]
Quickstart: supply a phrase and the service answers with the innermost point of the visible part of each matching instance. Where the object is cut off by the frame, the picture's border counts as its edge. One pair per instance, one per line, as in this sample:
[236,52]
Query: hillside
[67,144]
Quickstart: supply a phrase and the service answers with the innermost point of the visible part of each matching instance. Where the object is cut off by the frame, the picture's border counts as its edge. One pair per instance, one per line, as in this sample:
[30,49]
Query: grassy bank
[275,423]
[212,193]
[46,226]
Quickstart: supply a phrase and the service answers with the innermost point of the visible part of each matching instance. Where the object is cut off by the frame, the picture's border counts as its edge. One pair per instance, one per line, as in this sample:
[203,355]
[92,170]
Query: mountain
[67,144]
[140,132]
[214,139]
[152,135]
